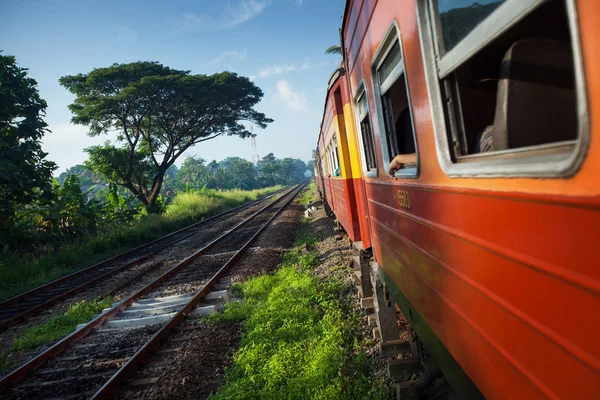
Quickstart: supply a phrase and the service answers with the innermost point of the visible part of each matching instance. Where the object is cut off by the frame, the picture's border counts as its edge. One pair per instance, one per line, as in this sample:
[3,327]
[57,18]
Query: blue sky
[279,43]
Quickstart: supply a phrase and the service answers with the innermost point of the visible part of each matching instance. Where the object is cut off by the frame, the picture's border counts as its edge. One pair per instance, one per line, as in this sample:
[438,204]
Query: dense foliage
[238,173]
[25,174]
[196,173]
[159,113]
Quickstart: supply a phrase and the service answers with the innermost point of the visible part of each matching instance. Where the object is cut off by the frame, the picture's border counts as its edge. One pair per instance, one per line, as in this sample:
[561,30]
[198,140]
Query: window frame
[332,152]
[361,92]
[528,161]
[331,163]
[398,72]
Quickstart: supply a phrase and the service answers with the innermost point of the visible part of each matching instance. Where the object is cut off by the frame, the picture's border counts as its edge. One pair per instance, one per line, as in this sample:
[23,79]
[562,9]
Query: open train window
[506,83]
[366,134]
[330,161]
[337,155]
[393,102]
[334,158]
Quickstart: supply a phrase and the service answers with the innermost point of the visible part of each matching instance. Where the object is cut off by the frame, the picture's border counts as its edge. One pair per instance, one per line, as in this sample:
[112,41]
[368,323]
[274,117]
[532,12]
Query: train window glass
[337,155]
[330,160]
[508,85]
[362,109]
[335,158]
[459,17]
[393,103]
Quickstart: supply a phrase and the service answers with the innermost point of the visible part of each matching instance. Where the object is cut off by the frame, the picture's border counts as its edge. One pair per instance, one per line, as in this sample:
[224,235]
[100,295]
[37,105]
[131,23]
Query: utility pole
[255,156]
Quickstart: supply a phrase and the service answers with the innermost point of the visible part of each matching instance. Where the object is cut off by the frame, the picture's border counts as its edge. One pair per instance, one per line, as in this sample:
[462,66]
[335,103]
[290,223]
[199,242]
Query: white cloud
[243,12]
[296,101]
[233,55]
[192,22]
[277,69]
[126,34]
[232,16]
[299,2]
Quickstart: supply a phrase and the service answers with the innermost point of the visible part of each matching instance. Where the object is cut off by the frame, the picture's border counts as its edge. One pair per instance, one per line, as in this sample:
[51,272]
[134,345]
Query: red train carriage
[488,241]
[336,153]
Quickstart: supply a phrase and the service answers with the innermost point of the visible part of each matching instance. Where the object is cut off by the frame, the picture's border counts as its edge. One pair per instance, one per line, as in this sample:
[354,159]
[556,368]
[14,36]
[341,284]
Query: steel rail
[65,279]
[24,370]
[132,365]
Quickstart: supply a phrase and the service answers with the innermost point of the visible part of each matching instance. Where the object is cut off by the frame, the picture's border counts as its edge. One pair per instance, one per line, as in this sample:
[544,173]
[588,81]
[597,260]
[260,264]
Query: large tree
[193,174]
[25,174]
[158,113]
[242,173]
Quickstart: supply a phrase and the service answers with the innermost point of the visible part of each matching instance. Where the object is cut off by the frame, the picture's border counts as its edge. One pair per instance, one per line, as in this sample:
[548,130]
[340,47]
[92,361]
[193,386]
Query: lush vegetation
[23,271]
[55,328]
[25,174]
[49,227]
[159,113]
[298,341]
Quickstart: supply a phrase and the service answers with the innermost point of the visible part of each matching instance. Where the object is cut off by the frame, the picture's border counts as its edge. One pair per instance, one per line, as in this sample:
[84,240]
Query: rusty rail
[24,370]
[131,366]
[65,279]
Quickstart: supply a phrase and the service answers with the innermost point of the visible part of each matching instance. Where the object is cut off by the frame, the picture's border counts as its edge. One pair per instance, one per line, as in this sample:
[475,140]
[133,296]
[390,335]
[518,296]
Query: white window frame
[437,68]
[360,92]
[399,72]
[329,160]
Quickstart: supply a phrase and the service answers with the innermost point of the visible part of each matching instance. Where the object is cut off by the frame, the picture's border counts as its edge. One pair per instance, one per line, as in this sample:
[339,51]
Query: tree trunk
[138,195]
[151,206]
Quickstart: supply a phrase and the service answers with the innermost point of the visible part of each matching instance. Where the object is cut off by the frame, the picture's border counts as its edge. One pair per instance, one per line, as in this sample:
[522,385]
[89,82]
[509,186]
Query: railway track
[23,306]
[95,359]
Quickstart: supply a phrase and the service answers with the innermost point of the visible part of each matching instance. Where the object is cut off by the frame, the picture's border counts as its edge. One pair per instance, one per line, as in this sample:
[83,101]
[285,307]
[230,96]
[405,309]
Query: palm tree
[334,50]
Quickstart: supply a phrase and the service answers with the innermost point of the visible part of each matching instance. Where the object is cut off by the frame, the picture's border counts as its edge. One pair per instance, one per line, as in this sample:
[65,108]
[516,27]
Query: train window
[366,136]
[507,77]
[393,102]
[333,158]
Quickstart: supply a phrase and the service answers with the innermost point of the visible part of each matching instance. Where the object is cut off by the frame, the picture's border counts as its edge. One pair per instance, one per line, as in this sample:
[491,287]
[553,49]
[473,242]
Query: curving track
[95,359]
[18,308]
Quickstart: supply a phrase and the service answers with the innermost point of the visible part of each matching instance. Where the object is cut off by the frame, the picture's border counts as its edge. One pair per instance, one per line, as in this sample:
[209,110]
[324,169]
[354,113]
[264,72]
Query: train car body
[487,243]
[339,180]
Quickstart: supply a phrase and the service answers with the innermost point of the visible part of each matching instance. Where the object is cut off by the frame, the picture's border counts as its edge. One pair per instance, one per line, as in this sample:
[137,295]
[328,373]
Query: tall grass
[213,201]
[19,272]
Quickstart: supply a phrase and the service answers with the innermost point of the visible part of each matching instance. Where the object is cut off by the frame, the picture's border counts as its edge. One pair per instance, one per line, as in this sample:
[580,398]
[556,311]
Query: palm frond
[334,50]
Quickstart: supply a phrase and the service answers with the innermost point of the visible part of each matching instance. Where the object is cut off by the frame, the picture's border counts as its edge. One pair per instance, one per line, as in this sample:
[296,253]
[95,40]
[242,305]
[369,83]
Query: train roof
[335,75]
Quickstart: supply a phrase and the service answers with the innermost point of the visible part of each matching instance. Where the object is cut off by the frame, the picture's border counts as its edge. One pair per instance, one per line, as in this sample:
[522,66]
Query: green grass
[55,328]
[190,205]
[19,272]
[310,194]
[298,340]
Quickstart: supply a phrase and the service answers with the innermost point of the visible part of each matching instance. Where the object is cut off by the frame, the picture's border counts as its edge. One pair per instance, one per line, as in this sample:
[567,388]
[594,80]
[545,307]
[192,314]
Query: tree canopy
[25,174]
[158,113]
